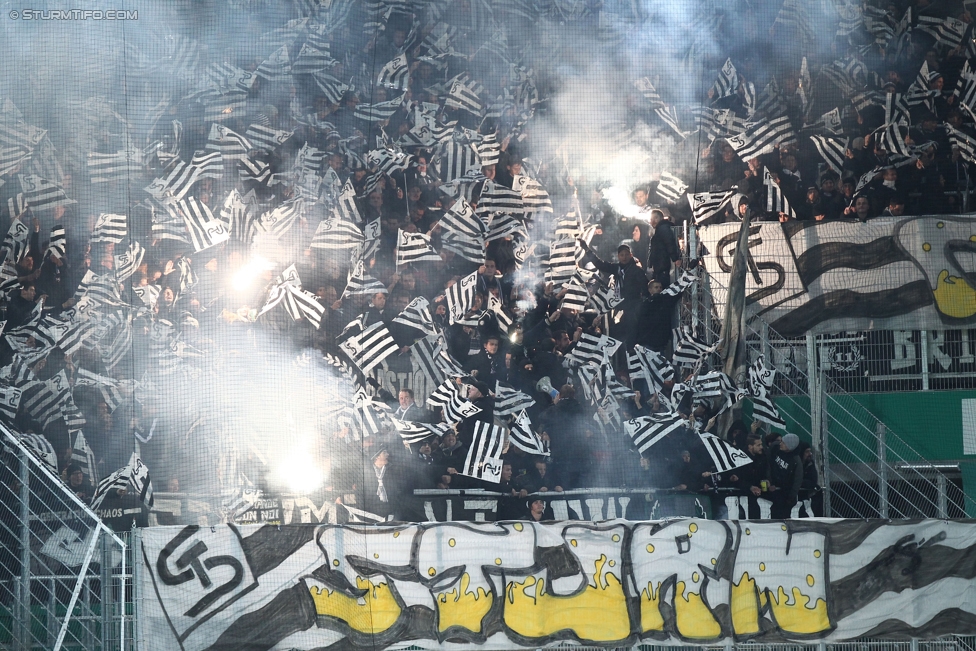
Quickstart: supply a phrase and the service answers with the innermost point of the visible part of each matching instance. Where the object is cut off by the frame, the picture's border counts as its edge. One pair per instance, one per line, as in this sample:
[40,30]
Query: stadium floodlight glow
[244,278]
[299,472]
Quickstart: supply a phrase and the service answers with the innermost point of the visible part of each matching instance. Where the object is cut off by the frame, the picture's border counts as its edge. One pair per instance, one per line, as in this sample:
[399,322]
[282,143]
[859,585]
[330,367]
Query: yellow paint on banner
[461,607]
[598,613]
[373,613]
[692,616]
[798,616]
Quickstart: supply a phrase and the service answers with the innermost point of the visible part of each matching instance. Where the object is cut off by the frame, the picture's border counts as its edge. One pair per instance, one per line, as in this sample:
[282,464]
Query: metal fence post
[881,430]
[105,576]
[924,340]
[940,480]
[817,438]
[23,604]
[135,543]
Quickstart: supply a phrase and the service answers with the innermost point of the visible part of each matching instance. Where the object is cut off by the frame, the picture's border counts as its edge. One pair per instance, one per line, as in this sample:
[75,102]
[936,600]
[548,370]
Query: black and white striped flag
[311,60]
[509,400]
[9,401]
[415,432]
[724,456]
[760,137]
[379,111]
[141,481]
[520,435]
[727,81]
[892,139]
[535,198]
[460,296]
[360,283]
[593,349]
[484,460]
[208,165]
[832,150]
[647,89]
[231,145]
[263,137]
[176,184]
[346,207]
[108,387]
[605,297]
[689,349]
[204,230]
[650,366]
[109,228]
[496,198]
[417,315]
[716,384]
[562,261]
[127,262]
[462,220]
[11,158]
[456,407]
[645,431]
[414,247]
[276,67]
[335,233]
[370,347]
[776,200]
[118,480]
[251,168]
[464,94]
[82,454]
[963,142]
[761,380]
[705,205]
[120,166]
[426,355]
[455,160]
[670,188]
[278,221]
[40,446]
[468,248]
[489,150]
[42,194]
[395,74]
[58,245]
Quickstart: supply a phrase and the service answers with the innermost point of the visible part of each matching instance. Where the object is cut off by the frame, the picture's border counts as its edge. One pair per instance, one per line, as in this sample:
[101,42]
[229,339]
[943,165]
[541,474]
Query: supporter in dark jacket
[663,250]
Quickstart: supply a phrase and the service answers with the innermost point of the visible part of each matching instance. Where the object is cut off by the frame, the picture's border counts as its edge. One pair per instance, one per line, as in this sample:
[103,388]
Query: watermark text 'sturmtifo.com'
[73,14]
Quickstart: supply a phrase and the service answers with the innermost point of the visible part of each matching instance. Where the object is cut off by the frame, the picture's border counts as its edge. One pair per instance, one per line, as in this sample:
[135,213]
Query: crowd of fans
[146,340]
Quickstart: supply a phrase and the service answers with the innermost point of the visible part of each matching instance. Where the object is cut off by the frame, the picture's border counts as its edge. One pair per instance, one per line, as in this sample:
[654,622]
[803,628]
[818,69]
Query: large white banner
[522,584]
[895,273]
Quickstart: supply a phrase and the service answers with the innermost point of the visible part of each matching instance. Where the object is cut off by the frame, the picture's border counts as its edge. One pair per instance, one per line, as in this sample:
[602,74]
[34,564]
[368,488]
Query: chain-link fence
[866,468]
[64,575]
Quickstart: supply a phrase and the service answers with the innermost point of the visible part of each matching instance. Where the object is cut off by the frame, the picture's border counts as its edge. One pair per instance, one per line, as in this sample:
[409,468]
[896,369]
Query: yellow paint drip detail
[598,613]
[744,606]
[461,607]
[799,617]
[650,608]
[373,613]
[954,296]
[692,616]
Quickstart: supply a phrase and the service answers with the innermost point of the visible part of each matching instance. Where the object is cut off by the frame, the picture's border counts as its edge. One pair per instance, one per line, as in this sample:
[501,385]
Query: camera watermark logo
[73,14]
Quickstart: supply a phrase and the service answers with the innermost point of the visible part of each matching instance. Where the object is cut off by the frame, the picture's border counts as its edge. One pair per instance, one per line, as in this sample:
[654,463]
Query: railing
[65,577]
[866,469]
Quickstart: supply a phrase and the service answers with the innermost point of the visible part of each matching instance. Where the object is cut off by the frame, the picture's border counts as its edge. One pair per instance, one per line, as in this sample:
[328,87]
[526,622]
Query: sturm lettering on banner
[613,583]
[74,14]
